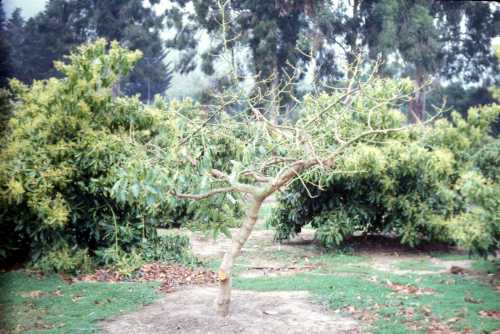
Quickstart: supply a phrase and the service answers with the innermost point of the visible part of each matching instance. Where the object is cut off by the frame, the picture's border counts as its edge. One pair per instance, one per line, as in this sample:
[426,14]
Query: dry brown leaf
[171,276]
[57,293]
[440,328]
[495,314]
[409,289]
[76,298]
[32,294]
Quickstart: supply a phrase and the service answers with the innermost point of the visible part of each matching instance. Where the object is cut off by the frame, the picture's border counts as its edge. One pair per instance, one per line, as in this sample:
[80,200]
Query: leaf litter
[171,276]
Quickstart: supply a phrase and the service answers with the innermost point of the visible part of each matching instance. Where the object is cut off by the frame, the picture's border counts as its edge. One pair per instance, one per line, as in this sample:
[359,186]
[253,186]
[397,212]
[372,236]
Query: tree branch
[204,195]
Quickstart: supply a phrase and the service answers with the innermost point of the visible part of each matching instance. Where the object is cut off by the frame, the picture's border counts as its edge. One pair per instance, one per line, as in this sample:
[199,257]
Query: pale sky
[29,7]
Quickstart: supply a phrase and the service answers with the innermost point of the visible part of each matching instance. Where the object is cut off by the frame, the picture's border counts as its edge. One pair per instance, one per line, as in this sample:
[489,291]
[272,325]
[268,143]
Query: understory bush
[169,248]
[437,183]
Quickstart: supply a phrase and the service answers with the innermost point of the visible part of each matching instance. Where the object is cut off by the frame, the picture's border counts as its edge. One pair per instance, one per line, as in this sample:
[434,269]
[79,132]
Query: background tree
[64,24]
[5,73]
[15,37]
[136,27]
[269,31]
[5,66]
[450,39]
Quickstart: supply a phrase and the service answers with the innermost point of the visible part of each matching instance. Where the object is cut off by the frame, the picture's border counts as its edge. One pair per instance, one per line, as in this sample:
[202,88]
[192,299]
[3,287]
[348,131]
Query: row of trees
[424,39]
[31,46]
[438,41]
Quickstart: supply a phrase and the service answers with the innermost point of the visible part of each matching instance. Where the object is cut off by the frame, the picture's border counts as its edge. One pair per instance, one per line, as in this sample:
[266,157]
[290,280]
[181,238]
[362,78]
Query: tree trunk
[417,104]
[352,39]
[238,240]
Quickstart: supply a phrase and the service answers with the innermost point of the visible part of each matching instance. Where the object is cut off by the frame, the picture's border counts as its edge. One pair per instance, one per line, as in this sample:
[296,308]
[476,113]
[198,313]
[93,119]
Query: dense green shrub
[169,248]
[149,182]
[5,110]
[66,260]
[76,160]
[66,138]
[477,226]
[487,160]
[418,188]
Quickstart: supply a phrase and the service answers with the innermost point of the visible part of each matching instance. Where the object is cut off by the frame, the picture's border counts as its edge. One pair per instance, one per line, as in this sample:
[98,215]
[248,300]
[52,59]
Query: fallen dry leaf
[270,312]
[452,320]
[495,314]
[76,298]
[470,299]
[440,328]
[350,309]
[32,294]
[409,289]
[170,274]
[57,293]
[427,311]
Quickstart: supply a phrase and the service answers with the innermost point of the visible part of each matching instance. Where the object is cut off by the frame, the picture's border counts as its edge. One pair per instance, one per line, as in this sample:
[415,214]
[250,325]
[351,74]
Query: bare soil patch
[387,262]
[191,311]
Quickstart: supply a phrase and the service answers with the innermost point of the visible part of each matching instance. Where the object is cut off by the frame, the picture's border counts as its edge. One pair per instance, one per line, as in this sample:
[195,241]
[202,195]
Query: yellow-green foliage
[5,110]
[434,183]
[477,227]
[66,139]
[84,172]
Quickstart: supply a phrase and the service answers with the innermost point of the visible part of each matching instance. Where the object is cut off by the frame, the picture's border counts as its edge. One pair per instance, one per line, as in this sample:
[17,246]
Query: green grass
[288,255]
[421,264]
[342,263]
[487,266]
[239,266]
[450,299]
[452,256]
[50,305]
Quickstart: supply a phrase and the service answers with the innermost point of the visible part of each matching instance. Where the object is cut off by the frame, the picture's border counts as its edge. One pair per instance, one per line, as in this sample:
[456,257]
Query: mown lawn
[383,301]
[390,303]
[30,304]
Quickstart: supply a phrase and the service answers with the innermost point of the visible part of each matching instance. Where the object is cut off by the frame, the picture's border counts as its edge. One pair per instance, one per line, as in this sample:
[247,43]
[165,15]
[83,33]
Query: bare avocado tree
[271,176]
[327,127]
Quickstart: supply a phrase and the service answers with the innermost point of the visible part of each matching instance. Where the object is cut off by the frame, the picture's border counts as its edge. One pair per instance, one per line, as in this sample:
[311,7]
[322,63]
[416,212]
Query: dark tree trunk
[417,104]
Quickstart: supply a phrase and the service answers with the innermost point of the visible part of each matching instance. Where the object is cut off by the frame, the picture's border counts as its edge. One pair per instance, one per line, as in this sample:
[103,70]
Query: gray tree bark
[238,240]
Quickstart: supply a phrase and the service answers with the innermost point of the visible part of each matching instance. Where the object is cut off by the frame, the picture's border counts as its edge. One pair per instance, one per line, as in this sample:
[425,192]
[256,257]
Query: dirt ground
[382,255]
[191,311]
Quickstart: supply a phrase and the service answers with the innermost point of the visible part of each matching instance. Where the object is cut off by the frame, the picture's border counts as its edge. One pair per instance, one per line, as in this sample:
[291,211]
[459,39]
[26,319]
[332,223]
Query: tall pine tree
[5,66]
[65,24]
[15,37]
[449,39]
[136,27]
[271,31]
